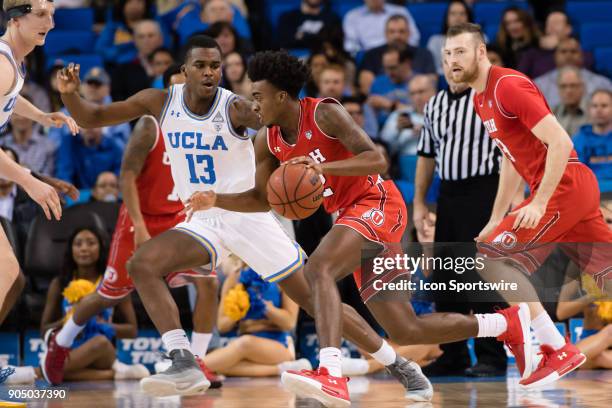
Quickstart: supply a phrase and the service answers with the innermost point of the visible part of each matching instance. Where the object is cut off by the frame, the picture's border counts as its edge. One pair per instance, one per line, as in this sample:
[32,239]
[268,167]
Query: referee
[454,141]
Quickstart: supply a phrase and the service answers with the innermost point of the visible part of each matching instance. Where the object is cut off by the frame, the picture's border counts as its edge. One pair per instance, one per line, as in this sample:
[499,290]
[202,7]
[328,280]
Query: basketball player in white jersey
[204,132]
[28,24]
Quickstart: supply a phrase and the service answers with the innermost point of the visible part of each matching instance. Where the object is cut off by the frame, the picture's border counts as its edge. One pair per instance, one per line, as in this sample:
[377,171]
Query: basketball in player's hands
[294,191]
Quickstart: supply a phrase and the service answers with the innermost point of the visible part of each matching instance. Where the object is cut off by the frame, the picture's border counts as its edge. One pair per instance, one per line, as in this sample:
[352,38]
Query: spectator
[569,52]
[116,42]
[173,75]
[134,76]
[364,26]
[14,202]
[403,127]
[235,75]
[593,143]
[390,90]
[517,32]
[228,39]
[38,96]
[92,355]
[495,56]
[570,113]
[362,114]
[302,28]
[106,188]
[397,35]
[34,149]
[262,317]
[316,63]
[207,12]
[457,12]
[540,59]
[81,158]
[332,82]
[96,89]
[160,60]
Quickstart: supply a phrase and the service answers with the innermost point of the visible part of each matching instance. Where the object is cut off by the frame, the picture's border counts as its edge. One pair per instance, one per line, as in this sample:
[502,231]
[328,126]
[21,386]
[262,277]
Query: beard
[469,74]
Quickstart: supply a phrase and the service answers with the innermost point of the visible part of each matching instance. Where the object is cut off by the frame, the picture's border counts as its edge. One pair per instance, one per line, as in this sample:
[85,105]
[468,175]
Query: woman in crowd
[93,355]
[517,33]
[262,316]
[235,75]
[458,12]
[228,39]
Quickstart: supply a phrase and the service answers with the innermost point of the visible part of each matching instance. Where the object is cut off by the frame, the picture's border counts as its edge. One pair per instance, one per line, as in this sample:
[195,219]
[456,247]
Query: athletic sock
[330,358]
[355,366]
[491,324]
[546,331]
[68,333]
[175,339]
[385,355]
[200,342]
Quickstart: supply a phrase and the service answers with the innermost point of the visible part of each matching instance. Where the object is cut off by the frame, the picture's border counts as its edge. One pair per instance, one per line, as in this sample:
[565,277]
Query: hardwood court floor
[583,389]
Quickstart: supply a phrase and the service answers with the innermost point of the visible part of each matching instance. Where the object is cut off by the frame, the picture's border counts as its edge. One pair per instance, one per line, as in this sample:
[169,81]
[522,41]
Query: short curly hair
[282,70]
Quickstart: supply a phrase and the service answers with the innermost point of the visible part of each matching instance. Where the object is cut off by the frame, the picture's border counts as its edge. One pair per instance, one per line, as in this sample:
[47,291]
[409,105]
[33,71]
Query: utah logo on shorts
[507,239]
[376,216]
[110,274]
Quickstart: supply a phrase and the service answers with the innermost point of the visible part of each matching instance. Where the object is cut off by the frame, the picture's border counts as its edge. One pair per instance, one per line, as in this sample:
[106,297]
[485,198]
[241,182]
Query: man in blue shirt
[81,158]
[593,143]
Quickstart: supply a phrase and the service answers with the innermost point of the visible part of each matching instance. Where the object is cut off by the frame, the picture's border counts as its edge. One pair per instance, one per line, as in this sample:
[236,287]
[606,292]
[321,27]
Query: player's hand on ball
[310,164]
[59,119]
[528,216]
[45,196]
[68,79]
[141,235]
[199,201]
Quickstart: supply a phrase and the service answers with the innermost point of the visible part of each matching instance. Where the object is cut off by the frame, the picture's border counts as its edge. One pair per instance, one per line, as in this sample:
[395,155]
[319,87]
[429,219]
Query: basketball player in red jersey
[564,201]
[320,133]
[150,208]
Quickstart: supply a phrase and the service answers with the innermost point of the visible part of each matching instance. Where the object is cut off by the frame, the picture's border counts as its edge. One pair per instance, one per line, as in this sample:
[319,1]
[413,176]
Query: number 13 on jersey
[207,174]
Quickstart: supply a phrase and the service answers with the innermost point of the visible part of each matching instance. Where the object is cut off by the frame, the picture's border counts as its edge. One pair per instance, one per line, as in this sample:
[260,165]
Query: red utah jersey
[155,184]
[340,191]
[510,106]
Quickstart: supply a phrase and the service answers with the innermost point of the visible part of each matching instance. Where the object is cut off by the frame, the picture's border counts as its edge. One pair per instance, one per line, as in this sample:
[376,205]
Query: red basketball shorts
[117,284]
[572,218]
[379,216]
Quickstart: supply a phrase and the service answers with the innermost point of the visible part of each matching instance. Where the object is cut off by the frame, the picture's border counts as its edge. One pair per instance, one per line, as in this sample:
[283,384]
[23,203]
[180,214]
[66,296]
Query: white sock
[68,333]
[491,324]
[385,355]
[546,331]
[355,366]
[330,358]
[199,343]
[176,339]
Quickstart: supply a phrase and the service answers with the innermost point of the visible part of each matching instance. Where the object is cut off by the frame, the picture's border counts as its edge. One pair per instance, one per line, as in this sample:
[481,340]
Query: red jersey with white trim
[510,106]
[339,191]
[155,184]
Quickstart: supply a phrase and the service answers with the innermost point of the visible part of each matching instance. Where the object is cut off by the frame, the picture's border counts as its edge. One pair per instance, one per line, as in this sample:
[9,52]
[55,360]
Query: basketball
[294,191]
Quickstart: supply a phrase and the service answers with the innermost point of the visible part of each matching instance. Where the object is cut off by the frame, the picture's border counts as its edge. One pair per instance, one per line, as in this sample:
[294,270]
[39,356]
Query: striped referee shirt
[453,134]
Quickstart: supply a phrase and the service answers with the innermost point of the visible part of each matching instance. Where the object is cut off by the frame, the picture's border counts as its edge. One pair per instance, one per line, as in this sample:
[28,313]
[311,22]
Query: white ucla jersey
[7,102]
[205,151]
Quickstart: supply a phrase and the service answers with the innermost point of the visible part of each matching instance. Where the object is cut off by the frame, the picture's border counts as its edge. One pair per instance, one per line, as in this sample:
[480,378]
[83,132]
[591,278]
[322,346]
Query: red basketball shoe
[54,359]
[554,365]
[517,336]
[318,384]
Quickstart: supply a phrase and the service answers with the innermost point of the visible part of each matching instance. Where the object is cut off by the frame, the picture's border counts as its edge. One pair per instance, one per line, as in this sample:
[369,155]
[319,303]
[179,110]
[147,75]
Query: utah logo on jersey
[308,134]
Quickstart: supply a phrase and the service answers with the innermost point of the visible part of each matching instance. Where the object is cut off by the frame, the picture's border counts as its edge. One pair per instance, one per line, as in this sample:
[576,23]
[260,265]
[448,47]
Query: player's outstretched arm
[55,119]
[335,121]
[253,200]
[90,115]
[141,141]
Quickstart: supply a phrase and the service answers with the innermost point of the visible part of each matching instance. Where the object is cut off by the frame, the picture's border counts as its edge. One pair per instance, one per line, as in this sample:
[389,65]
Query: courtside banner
[485,271]
[9,349]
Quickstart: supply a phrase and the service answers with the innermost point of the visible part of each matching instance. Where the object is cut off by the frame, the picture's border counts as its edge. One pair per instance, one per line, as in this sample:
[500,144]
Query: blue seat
[407,165]
[74,19]
[603,60]
[490,12]
[490,31]
[274,9]
[300,52]
[594,35]
[428,17]
[589,11]
[73,42]
[86,61]
[406,189]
